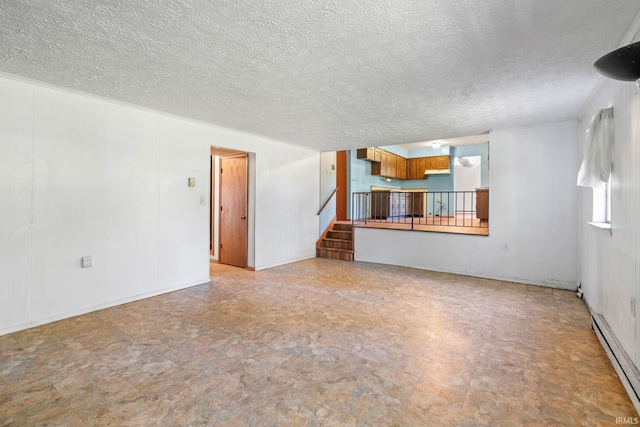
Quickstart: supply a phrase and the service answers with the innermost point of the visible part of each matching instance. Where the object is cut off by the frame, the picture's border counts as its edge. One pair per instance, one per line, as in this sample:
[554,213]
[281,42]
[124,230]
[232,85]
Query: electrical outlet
[505,247]
[202,200]
[86,261]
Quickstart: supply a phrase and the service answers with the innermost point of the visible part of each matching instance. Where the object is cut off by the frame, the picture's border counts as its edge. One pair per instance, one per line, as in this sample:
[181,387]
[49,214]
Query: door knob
[243,217]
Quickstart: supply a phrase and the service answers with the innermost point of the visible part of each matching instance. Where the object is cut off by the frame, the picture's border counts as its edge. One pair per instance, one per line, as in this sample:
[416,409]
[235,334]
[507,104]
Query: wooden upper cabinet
[392,166]
[368,153]
[401,167]
[416,167]
[371,153]
[387,166]
[442,162]
[431,163]
[377,155]
[421,166]
[384,163]
[411,168]
[376,168]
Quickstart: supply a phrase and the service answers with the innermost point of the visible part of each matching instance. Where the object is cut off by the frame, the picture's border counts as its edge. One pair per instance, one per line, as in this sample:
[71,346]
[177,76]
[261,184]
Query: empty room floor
[319,342]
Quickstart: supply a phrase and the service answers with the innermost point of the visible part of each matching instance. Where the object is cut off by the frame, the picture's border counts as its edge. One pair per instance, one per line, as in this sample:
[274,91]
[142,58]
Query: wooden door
[341,183]
[233,210]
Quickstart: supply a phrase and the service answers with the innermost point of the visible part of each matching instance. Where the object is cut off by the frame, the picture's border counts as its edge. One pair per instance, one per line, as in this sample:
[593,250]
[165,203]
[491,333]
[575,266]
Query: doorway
[233,210]
[231,207]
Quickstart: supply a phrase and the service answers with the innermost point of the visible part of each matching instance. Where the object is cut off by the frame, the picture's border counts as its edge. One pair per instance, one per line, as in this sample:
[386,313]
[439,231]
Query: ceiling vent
[621,64]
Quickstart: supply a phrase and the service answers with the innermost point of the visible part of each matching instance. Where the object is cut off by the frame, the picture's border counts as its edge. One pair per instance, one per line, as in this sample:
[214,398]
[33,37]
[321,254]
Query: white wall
[327,175]
[81,176]
[327,187]
[468,178]
[610,261]
[532,208]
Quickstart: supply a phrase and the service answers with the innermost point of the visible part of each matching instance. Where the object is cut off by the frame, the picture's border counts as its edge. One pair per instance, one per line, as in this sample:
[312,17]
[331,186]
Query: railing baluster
[403,210]
[413,207]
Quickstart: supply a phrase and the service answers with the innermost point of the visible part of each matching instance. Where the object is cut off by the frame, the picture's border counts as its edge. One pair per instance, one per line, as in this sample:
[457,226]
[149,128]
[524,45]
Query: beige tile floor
[319,342]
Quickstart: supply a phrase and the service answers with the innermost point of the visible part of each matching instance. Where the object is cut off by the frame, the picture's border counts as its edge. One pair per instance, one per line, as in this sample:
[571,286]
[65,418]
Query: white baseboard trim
[624,367]
[550,284]
[51,319]
[264,267]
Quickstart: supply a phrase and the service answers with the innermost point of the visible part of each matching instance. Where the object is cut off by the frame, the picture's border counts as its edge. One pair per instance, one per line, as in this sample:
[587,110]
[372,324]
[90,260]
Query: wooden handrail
[328,200]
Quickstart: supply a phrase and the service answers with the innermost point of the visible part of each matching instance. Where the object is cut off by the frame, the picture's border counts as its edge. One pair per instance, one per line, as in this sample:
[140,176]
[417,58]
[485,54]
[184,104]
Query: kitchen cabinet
[415,204]
[376,167]
[442,162]
[411,168]
[401,167]
[384,164]
[482,204]
[386,204]
[416,168]
[392,166]
[421,167]
[370,154]
[398,167]
[387,167]
[437,163]
[380,204]
[431,163]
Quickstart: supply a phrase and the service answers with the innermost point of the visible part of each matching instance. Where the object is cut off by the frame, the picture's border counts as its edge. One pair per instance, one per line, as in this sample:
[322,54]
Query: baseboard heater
[621,362]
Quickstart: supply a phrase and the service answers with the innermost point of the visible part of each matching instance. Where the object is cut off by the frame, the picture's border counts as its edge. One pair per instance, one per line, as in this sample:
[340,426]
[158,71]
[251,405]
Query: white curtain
[596,166]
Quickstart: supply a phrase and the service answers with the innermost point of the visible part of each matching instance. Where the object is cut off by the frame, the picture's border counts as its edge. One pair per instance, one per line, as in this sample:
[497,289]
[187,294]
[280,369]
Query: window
[595,171]
[602,203]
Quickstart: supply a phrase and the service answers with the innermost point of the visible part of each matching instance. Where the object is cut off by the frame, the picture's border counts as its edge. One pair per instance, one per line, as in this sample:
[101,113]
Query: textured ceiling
[452,142]
[327,74]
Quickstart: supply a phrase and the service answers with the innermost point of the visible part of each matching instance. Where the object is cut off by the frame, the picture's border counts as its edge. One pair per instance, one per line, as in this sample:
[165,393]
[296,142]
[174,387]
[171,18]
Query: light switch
[192,182]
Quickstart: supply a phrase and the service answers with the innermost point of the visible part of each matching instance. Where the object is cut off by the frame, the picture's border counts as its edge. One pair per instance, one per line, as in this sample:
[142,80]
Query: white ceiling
[452,142]
[327,74]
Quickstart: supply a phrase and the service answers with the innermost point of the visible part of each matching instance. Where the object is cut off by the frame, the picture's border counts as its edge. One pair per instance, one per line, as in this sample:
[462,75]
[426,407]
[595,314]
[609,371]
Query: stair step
[340,234]
[337,243]
[331,253]
[339,226]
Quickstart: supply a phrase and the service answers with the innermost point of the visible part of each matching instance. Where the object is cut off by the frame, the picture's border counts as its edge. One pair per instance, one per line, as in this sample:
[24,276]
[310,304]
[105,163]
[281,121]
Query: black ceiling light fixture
[621,64]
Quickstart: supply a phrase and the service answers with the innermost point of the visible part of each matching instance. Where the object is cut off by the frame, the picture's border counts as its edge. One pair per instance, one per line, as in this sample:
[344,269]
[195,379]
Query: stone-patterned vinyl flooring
[319,342]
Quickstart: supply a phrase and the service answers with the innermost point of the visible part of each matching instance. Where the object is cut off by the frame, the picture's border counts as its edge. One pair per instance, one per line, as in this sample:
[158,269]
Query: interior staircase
[337,243]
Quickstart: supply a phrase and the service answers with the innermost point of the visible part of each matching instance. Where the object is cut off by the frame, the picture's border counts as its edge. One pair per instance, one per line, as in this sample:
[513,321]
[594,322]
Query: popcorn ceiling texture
[327,74]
